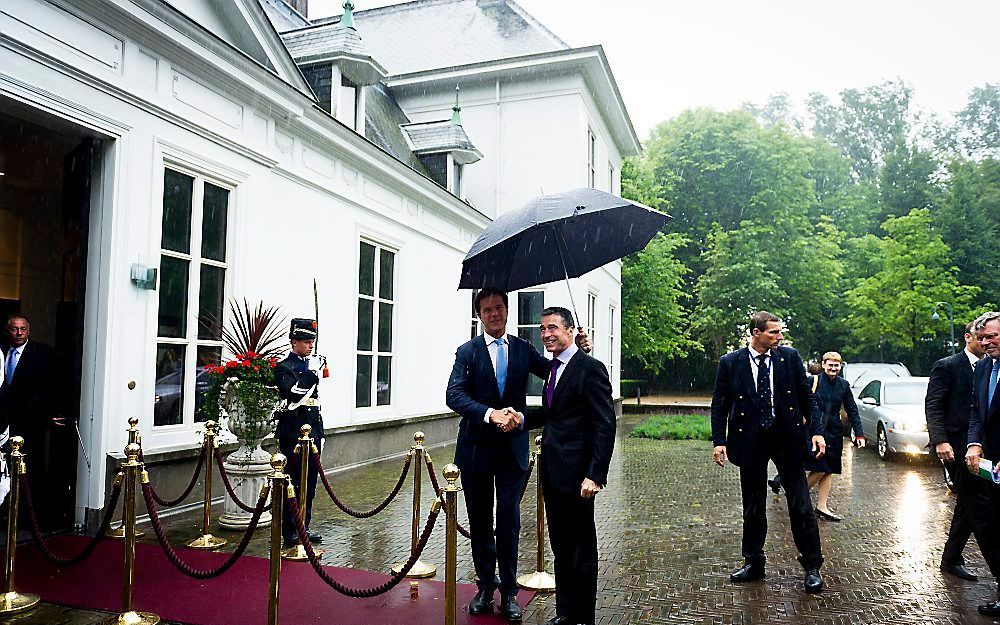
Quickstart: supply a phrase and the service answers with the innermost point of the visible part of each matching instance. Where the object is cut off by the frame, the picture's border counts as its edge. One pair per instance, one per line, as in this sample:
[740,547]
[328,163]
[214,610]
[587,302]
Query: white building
[192,138]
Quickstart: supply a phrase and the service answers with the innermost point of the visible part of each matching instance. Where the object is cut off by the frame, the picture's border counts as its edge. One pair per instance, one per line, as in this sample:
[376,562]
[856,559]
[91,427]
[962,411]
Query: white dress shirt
[973,359]
[564,358]
[492,347]
[754,354]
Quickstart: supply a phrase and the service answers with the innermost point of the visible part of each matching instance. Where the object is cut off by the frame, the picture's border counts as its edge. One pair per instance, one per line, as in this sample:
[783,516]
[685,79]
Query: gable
[244,25]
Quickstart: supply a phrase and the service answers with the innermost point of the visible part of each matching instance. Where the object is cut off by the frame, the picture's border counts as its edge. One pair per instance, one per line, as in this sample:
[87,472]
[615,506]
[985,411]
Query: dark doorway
[45,196]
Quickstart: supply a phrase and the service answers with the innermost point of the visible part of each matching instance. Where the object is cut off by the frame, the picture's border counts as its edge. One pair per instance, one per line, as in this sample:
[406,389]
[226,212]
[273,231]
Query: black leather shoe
[482,603]
[748,572]
[960,571]
[775,484]
[510,610]
[813,581]
[989,609]
[315,537]
[557,620]
[829,517]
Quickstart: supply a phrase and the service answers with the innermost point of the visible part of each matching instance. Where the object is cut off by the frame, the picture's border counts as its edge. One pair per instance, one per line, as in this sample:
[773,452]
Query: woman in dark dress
[832,392]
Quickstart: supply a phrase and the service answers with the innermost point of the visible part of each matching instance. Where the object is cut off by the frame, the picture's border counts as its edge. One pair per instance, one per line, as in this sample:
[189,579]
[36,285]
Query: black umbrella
[556,237]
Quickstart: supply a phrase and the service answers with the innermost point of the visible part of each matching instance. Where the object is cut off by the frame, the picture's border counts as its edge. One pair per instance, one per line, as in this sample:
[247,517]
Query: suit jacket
[736,411]
[579,434]
[294,380]
[948,401]
[28,398]
[472,389]
[984,422]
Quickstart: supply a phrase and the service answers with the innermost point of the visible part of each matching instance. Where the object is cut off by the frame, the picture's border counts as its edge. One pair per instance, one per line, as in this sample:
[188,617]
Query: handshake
[506,419]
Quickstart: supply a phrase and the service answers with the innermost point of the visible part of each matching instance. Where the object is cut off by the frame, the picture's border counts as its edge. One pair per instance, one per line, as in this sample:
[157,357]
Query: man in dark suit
[763,409]
[984,441]
[579,437]
[297,379]
[491,374]
[947,406]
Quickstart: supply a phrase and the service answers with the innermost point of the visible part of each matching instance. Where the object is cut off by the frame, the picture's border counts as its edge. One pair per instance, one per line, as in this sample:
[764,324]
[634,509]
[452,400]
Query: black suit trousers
[974,513]
[490,550]
[573,537]
[782,445]
[294,471]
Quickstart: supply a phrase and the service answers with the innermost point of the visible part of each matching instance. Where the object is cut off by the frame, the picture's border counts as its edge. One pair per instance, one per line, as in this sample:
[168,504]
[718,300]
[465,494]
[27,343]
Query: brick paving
[669,531]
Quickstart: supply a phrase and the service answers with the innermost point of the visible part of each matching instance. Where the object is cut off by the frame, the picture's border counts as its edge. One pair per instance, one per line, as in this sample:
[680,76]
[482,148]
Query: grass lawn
[675,427]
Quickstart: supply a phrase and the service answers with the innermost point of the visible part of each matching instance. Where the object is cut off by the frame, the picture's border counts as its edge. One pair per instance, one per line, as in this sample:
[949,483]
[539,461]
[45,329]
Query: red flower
[246,364]
[231,364]
[256,368]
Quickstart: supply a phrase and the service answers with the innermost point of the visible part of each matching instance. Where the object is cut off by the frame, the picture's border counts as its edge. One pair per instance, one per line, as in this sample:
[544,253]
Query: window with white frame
[477,325]
[530,305]
[191,293]
[458,171]
[610,360]
[611,178]
[376,300]
[591,159]
[591,327]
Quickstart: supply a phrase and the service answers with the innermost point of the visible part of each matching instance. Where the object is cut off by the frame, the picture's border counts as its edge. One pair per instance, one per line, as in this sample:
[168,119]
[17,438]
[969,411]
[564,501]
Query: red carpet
[238,597]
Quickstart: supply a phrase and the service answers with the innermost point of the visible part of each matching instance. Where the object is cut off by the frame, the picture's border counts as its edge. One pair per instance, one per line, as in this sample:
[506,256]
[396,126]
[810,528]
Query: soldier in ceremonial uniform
[297,377]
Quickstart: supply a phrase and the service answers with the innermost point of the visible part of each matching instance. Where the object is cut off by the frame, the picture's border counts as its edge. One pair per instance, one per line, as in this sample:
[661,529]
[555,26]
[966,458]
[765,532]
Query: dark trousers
[294,471]
[783,446]
[573,537]
[977,512]
[492,550]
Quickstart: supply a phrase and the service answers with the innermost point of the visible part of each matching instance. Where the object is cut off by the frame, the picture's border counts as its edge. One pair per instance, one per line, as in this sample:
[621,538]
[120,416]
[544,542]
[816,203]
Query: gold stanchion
[129,616]
[278,485]
[13,601]
[451,474]
[206,540]
[539,581]
[420,569]
[304,449]
[133,437]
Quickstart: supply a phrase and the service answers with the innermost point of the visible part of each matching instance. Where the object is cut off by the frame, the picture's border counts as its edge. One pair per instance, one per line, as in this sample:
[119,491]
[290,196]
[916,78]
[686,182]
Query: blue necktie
[501,366]
[12,364]
[993,381]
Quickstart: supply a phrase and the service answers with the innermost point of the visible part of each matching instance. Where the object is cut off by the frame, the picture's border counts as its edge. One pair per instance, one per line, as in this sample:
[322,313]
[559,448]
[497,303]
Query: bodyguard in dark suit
[984,441]
[297,378]
[947,406]
[763,409]
[491,373]
[577,442]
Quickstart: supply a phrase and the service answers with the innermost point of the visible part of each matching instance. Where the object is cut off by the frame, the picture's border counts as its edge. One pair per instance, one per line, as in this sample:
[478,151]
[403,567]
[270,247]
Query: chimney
[302,6]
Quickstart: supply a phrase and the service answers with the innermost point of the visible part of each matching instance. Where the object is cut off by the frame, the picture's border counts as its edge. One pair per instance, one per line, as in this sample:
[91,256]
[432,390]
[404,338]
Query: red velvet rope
[185,568]
[229,486]
[36,533]
[361,593]
[167,503]
[437,489]
[318,465]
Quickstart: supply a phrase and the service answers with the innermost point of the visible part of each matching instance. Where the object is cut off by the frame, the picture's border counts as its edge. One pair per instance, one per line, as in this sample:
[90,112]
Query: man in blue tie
[490,376]
[984,440]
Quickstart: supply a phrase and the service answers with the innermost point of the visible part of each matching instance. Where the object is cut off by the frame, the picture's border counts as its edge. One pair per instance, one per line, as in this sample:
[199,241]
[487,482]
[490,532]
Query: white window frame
[611,177]
[591,325]
[190,341]
[591,158]
[476,327]
[533,325]
[611,343]
[374,352]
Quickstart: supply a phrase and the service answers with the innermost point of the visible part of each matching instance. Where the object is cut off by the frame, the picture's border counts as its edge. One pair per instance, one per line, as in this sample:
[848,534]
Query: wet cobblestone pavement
[669,532]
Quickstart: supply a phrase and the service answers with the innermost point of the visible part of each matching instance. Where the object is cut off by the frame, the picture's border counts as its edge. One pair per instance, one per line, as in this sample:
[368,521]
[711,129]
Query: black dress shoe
[813,581]
[828,516]
[510,610]
[989,609]
[315,537]
[557,620]
[747,573]
[775,484]
[960,571]
[482,603]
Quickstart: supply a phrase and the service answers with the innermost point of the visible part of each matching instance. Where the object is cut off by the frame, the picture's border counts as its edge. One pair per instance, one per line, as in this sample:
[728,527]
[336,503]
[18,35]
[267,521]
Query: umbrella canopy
[558,236]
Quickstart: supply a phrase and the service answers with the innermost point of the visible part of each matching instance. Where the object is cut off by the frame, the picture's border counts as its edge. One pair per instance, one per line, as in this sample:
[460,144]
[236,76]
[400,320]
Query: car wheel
[947,478]
[882,444]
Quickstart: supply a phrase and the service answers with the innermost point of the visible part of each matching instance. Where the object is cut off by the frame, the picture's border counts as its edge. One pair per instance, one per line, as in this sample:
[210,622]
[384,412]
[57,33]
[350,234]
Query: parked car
[859,374]
[892,409]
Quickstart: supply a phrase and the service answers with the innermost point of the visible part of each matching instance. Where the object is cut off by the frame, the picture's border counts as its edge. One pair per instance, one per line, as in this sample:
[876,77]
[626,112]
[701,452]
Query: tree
[892,307]
[907,181]
[977,127]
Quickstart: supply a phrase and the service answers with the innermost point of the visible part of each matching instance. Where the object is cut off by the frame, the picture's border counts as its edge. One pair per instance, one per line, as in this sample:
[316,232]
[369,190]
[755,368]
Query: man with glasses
[984,442]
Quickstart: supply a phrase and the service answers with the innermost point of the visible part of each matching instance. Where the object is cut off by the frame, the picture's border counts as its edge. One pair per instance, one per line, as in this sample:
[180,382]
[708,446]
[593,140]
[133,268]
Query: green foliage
[675,427]
[244,383]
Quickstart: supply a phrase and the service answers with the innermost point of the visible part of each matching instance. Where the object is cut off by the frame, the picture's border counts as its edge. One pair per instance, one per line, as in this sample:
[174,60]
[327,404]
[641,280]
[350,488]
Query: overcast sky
[670,55]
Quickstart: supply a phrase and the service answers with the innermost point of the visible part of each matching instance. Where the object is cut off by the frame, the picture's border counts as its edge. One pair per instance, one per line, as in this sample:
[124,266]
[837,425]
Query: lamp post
[951,321]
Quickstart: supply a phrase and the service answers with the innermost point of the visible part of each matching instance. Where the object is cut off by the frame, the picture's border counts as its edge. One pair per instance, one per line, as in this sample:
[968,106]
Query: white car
[893,410]
[859,374]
